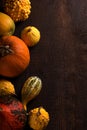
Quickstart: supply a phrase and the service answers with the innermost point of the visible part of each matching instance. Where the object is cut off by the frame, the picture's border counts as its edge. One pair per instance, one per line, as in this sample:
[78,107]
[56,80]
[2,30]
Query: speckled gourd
[18,10]
[31,89]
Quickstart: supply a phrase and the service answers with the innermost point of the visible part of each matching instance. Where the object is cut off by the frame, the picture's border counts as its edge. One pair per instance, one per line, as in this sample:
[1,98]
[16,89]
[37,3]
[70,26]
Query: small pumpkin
[14,56]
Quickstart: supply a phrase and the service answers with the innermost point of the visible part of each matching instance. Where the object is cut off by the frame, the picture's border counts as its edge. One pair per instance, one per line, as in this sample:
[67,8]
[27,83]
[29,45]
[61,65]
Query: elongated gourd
[31,89]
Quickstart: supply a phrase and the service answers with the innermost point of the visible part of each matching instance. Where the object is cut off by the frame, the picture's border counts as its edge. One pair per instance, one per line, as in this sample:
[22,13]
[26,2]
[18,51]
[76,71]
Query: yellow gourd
[7,25]
[6,88]
[38,118]
[30,35]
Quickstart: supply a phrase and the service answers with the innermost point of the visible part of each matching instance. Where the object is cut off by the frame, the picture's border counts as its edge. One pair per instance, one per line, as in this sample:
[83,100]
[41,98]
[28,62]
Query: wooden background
[60,60]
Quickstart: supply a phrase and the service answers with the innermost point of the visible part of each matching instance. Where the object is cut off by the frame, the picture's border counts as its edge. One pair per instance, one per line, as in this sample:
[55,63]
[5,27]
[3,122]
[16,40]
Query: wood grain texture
[60,60]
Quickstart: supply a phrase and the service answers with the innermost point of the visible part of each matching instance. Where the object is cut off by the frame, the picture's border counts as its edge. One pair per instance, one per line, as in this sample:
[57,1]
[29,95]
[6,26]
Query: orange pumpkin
[14,56]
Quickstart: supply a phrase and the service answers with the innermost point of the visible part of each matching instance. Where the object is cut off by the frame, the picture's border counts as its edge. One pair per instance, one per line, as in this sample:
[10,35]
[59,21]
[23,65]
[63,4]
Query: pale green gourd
[30,89]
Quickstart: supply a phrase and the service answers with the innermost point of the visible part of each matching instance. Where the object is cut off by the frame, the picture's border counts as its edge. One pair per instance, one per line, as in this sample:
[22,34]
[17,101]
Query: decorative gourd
[31,89]
[14,56]
[6,88]
[30,35]
[12,114]
[7,25]
[38,118]
[18,10]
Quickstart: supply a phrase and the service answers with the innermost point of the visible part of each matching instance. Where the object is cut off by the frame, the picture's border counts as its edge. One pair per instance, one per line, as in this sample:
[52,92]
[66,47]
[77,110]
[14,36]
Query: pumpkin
[14,56]
[12,114]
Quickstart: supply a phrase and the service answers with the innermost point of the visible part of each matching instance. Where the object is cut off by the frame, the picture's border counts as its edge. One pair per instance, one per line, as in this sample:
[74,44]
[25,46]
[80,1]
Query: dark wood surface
[60,60]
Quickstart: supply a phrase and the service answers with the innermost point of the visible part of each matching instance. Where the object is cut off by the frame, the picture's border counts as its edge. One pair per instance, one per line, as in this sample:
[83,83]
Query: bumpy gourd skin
[18,10]
[38,118]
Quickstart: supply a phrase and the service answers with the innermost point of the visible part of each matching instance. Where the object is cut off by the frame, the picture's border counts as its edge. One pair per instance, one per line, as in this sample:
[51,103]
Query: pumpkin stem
[5,50]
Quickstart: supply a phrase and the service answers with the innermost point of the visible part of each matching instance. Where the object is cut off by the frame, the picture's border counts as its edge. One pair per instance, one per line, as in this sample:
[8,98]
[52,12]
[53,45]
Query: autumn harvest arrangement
[14,59]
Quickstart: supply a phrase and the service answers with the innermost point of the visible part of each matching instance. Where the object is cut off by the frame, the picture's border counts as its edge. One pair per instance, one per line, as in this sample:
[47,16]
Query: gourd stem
[29,30]
[25,107]
[5,50]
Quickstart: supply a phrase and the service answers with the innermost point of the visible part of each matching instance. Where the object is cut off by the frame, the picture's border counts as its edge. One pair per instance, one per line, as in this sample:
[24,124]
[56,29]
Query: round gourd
[30,35]
[6,88]
[7,25]
[38,118]
[14,56]
[12,114]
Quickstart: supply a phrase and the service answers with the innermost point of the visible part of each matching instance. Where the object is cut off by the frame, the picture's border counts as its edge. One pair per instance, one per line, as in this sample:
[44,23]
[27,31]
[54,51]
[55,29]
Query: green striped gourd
[30,89]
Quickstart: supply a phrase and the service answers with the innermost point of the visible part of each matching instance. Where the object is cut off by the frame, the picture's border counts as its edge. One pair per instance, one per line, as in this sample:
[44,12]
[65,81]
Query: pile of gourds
[14,112]
[14,59]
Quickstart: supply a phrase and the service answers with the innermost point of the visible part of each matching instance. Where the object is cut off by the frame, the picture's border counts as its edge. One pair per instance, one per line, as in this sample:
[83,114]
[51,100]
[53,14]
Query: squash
[18,10]
[30,89]
[12,114]
[38,118]
[30,35]
[7,25]
[6,88]
[14,56]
